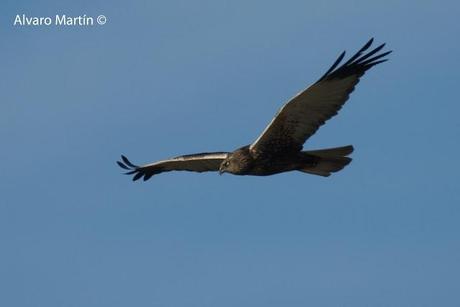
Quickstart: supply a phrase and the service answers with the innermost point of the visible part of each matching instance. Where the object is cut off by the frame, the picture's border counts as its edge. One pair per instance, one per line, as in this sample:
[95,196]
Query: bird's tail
[329,161]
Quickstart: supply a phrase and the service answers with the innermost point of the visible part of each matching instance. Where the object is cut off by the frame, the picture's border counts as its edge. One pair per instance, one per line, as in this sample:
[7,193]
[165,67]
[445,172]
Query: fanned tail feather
[330,160]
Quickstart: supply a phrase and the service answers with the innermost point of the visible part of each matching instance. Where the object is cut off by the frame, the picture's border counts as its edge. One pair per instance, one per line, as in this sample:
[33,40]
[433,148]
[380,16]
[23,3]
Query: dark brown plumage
[279,148]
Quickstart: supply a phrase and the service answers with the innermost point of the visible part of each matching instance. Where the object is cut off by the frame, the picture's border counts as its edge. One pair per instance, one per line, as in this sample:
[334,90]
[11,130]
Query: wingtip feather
[120,164]
[148,176]
[127,162]
[367,45]
[138,176]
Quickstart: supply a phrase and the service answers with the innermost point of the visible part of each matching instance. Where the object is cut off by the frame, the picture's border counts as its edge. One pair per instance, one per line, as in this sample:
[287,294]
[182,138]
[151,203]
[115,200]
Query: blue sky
[162,79]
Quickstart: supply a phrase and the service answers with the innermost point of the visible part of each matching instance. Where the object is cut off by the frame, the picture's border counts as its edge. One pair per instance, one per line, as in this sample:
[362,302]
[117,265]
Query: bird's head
[238,163]
[226,166]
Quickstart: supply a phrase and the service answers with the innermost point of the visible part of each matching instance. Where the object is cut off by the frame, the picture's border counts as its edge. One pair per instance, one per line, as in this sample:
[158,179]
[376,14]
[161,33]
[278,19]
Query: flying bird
[279,148]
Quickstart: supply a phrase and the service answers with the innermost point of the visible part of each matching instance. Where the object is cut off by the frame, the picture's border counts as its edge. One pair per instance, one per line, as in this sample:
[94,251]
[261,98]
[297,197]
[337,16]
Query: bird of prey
[279,148]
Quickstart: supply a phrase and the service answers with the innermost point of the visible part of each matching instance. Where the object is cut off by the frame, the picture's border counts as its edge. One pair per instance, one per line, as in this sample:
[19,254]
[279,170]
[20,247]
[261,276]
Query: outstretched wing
[299,119]
[202,162]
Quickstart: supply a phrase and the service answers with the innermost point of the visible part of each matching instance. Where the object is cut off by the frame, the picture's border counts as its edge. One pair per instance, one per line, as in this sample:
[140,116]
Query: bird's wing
[201,162]
[299,119]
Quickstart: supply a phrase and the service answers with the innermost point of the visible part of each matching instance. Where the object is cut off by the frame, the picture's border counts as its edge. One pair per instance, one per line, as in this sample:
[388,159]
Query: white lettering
[17,20]
[59,20]
[64,20]
[23,20]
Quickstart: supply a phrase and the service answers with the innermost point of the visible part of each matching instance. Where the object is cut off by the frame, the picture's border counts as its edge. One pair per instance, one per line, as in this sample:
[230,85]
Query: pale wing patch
[189,158]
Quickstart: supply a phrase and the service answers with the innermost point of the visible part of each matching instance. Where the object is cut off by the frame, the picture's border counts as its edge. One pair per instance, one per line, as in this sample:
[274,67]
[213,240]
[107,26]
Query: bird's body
[279,148]
[242,162]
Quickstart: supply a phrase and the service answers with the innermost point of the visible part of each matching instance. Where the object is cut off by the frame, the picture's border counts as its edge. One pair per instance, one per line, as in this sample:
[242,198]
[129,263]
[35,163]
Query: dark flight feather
[337,62]
[127,161]
[360,51]
[138,176]
[369,61]
[368,55]
[122,165]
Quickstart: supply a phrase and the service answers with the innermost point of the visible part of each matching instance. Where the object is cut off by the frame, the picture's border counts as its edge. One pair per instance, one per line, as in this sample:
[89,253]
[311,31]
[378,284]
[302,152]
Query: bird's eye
[226,163]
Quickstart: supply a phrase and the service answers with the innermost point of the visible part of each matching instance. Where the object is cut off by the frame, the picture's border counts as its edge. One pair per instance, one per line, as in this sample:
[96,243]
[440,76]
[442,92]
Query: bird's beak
[221,171]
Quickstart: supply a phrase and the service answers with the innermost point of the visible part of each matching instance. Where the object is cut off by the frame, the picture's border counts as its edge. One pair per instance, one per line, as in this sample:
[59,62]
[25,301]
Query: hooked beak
[221,170]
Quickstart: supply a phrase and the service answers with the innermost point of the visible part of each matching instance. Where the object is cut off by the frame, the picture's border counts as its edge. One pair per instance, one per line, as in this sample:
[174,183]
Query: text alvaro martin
[58,20]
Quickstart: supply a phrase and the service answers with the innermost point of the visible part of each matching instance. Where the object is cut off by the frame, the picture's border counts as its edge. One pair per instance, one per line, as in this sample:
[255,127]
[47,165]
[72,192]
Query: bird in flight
[279,148]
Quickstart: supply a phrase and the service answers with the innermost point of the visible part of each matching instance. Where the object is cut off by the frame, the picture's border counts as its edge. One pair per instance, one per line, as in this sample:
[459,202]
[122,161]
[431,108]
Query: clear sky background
[166,78]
